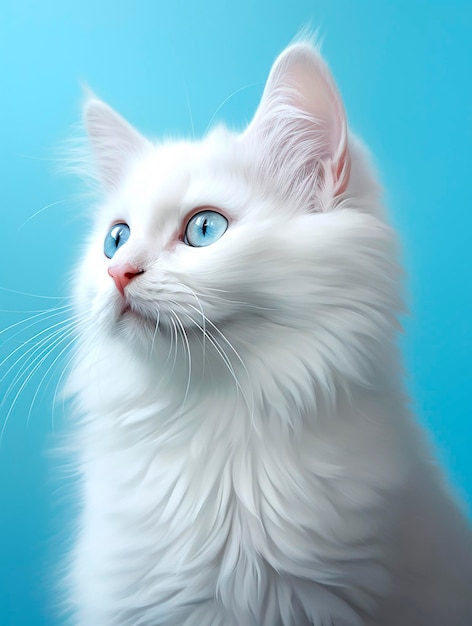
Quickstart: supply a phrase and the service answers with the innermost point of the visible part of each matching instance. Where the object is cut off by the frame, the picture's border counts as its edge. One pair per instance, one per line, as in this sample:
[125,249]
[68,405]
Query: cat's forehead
[175,178]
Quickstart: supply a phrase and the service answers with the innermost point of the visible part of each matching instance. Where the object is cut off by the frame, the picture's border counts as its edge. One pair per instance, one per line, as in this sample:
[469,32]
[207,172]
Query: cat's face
[251,235]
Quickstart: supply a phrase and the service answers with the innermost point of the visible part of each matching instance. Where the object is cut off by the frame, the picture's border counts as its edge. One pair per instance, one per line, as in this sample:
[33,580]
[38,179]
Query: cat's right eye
[117,236]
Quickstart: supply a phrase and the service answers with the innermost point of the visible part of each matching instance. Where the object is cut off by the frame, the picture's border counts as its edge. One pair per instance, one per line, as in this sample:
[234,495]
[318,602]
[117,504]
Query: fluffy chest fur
[241,522]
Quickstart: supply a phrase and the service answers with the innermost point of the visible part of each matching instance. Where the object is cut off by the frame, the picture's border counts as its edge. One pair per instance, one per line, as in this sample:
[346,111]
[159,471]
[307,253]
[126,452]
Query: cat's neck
[182,395]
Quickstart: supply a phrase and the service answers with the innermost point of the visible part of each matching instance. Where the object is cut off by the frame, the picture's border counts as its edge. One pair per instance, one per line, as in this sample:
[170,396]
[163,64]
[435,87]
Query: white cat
[246,452]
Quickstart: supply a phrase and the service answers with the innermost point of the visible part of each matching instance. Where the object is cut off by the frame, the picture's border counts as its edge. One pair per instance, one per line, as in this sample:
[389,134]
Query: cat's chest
[266,502]
[216,513]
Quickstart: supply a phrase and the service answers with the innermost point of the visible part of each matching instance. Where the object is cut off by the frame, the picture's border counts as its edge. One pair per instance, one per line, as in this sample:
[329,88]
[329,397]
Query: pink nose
[123,274]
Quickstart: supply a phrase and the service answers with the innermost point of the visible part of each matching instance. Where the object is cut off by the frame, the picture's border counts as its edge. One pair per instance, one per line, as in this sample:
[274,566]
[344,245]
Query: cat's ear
[300,123]
[113,140]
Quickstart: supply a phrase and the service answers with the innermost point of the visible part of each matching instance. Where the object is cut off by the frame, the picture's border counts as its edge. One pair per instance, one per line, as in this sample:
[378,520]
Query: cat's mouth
[131,312]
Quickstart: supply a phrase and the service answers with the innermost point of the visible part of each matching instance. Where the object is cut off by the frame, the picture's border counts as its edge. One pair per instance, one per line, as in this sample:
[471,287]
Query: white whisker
[35,365]
[174,345]
[241,303]
[203,316]
[65,370]
[231,95]
[56,359]
[48,206]
[189,110]
[35,295]
[155,333]
[186,345]
[33,353]
[220,351]
[40,316]
[66,323]
[250,406]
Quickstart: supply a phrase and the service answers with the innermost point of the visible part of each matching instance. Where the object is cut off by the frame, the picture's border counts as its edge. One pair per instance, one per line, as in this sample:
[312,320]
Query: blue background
[404,71]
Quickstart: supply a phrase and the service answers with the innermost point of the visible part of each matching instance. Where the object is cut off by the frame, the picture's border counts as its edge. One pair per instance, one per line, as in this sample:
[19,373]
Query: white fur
[246,453]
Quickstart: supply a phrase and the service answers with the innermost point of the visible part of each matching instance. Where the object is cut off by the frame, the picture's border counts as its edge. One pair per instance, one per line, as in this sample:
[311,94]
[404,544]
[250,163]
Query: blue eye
[205,228]
[116,237]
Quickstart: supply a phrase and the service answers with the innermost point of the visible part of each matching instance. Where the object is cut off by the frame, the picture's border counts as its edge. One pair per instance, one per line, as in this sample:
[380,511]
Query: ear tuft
[115,143]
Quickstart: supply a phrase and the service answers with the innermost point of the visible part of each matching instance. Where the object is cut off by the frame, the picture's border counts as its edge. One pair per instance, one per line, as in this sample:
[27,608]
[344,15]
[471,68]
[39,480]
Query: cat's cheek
[95,292]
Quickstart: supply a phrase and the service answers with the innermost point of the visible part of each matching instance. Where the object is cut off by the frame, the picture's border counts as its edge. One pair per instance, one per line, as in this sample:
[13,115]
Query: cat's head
[269,243]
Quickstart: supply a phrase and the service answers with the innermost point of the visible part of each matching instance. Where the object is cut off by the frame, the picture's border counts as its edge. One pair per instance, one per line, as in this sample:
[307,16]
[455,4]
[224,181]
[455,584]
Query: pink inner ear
[300,80]
[342,171]
[313,91]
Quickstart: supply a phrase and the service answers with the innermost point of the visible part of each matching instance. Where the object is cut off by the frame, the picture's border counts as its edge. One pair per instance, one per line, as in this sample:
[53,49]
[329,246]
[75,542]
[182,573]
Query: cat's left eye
[116,237]
[205,228]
